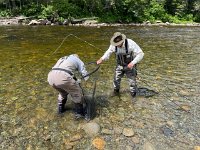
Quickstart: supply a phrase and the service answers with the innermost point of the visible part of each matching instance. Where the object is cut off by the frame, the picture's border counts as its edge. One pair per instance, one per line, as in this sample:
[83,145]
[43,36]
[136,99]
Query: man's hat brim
[116,35]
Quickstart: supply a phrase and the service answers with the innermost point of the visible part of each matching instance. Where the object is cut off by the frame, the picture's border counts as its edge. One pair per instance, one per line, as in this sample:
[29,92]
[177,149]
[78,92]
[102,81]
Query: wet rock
[43,21]
[118,130]
[135,139]
[106,131]
[128,147]
[148,146]
[76,138]
[167,131]
[186,107]
[68,145]
[197,148]
[137,124]
[66,22]
[128,132]
[34,22]
[47,138]
[91,128]
[170,123]
[48,23]
[99,143]
[184,93]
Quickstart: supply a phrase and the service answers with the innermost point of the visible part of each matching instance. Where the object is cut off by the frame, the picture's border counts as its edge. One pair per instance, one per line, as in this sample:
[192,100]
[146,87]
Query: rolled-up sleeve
[138,53]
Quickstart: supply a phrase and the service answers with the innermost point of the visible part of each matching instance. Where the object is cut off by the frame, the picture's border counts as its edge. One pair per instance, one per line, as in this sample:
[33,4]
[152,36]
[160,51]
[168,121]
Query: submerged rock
[148,146]
[91,128]
[99,143]
[128,132]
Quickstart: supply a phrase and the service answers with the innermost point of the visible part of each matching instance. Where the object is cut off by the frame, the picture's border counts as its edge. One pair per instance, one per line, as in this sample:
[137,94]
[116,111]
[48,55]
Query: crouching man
[62,78]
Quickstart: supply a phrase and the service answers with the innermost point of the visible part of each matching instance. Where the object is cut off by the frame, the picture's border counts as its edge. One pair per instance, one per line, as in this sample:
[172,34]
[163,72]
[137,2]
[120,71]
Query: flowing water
[168,120]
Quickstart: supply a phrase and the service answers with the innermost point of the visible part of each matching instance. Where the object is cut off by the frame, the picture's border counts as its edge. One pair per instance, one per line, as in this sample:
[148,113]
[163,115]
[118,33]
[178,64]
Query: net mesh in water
[142,91]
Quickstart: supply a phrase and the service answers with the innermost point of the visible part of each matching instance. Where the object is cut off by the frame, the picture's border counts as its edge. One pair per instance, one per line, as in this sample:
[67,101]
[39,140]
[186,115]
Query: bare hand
[99,61]
[130,65]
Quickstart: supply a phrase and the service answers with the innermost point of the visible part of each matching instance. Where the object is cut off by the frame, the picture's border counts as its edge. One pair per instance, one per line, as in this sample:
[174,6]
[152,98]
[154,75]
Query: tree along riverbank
[82,22]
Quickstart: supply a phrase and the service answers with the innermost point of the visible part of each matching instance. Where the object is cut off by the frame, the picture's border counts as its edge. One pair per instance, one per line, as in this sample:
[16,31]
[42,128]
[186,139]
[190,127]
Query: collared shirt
[132,47]
[71,63]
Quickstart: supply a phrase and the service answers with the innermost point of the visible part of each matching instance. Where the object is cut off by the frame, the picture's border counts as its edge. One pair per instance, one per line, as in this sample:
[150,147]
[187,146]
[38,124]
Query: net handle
[93,71]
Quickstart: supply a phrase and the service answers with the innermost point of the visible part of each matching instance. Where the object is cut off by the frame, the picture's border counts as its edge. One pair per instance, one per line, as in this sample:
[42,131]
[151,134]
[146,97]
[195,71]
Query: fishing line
[50,54]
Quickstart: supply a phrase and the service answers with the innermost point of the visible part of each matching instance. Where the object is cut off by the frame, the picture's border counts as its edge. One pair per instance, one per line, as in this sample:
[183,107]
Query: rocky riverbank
[79,22]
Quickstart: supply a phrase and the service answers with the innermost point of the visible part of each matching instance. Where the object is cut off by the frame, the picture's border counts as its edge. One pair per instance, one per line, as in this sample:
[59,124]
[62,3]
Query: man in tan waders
[62,78]
[128,54]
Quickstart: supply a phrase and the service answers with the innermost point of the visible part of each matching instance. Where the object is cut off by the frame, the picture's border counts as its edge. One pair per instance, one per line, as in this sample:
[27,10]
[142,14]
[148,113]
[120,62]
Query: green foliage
[31,9]
[154,12]
[5,13]
[123,11]
[109,18]
[66,9]
[47,12]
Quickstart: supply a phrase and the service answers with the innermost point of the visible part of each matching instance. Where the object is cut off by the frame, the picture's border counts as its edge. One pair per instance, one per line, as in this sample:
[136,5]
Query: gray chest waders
[124,59]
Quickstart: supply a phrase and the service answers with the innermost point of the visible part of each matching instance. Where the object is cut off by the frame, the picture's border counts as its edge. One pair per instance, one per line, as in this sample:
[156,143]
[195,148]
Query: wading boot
[79,111]
[61,107]
[133,94]
[115,93]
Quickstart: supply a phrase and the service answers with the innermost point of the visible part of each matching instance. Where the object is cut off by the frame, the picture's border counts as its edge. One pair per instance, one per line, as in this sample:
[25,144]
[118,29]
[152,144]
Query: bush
[5,13]
[109,18]
[47,12]
[31,10]
[66,9]
[155,11]
[197,18]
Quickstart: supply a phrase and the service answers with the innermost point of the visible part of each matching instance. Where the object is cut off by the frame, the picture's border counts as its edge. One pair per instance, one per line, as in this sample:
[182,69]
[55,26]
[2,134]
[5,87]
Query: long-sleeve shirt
[132,46]
[71,63]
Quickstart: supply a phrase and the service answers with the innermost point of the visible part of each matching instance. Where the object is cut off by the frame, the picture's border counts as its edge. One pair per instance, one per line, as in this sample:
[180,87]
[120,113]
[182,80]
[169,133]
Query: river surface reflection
[170,66]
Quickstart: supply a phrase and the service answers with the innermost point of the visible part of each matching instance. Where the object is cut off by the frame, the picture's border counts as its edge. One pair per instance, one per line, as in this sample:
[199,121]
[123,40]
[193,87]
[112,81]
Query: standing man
[128,54]
[62,78]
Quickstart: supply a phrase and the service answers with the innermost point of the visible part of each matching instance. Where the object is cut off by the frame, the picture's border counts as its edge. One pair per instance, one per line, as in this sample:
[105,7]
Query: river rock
[167,131]
[148,146]
[99,143]
[76,138]
[118,130]
[34,22]
[128,132]
[197,148]
[128,147]
[135,139]
[91,128]
[106,131]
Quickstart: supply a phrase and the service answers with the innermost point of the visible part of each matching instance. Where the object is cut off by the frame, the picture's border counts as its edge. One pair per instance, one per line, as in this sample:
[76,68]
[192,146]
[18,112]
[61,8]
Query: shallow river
[171,67]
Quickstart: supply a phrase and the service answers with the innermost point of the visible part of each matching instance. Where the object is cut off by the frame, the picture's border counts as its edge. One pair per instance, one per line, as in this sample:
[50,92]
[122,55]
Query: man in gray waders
[62,78]
[128,54]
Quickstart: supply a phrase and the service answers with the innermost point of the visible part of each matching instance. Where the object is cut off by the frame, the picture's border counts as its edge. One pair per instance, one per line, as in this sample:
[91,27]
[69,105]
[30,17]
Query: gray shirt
[71,63]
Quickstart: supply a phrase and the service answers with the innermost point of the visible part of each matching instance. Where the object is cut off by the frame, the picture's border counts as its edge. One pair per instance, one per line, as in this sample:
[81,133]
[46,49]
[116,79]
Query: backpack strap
[126,46]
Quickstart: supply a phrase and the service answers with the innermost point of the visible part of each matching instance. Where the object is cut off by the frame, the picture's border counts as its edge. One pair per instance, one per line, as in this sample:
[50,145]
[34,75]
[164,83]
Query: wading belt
[61,69]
